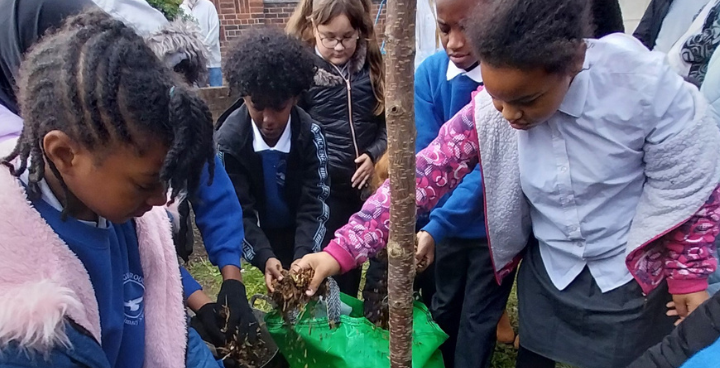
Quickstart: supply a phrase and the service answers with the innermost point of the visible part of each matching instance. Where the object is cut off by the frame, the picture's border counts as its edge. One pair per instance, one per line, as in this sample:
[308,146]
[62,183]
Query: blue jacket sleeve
[460,211]
[190,285]
[198,355]
[218,215]
[427,119]
[81,352]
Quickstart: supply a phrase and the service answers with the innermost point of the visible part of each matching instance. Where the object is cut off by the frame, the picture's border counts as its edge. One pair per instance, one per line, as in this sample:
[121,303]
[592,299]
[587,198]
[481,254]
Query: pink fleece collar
[42,282]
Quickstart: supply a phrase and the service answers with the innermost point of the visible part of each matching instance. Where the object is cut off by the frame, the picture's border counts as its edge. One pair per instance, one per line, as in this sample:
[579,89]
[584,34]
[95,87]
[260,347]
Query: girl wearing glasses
[346,99]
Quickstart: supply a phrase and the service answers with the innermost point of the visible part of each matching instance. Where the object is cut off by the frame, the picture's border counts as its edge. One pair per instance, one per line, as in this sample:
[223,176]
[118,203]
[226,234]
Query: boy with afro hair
[273,151]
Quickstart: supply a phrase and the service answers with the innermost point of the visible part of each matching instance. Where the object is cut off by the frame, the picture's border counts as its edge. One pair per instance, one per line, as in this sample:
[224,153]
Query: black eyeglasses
[332,42]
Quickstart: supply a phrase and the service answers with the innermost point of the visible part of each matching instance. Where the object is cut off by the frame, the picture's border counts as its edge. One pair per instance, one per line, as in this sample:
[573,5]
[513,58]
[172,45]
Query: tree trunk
[400,114]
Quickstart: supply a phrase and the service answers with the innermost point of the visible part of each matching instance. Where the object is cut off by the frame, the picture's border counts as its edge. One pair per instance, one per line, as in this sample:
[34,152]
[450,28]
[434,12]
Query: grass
[209,277]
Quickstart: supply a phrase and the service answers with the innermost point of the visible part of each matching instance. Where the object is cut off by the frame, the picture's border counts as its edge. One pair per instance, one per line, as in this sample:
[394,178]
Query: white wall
[633,11]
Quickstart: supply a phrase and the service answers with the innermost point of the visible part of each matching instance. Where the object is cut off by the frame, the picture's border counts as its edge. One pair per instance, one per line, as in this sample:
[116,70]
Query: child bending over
[274,152]
[88,268]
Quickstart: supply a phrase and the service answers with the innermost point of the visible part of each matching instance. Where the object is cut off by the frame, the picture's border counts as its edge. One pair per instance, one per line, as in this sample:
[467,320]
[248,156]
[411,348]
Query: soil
[290,296]
[250,353]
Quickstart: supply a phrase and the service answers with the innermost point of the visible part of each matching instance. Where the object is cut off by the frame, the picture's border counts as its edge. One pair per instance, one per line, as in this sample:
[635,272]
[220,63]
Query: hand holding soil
[290,292]
[322,264]
[425,251]
[273,271]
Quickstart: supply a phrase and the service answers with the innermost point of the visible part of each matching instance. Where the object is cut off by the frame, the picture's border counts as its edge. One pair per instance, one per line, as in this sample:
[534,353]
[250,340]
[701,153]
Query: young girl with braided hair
[88,268]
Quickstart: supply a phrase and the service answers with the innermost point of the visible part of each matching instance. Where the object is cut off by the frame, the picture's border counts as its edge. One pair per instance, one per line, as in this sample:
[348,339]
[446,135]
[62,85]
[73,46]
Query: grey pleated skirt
[584,327]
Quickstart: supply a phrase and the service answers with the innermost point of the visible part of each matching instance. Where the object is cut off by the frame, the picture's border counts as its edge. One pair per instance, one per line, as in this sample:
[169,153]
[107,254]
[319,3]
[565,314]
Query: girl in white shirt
[599,151]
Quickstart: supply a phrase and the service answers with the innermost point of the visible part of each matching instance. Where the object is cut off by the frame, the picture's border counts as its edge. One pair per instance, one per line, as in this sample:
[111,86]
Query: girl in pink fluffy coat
[88,271]
[602,153]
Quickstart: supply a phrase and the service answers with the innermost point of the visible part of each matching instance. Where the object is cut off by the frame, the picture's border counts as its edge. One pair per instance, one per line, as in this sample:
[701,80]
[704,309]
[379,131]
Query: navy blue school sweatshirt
[278,214]
[219,217]
[112,259]
[459,214]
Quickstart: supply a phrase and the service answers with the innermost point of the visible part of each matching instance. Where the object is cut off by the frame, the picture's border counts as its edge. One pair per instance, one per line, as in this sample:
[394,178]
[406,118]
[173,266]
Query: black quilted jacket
[700,329]
[649,28]
[344,107]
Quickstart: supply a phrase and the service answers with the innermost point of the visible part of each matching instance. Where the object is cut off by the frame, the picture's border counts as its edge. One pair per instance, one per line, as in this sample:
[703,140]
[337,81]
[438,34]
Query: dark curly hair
[529,33]
[268,66]
[97,81]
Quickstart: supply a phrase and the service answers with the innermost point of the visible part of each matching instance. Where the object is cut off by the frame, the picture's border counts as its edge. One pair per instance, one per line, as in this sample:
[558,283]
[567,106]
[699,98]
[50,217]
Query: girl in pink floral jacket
[603,154]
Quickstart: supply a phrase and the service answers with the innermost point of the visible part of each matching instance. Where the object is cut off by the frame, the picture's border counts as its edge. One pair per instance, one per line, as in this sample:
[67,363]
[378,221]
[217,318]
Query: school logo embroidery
[280,174]
[134,292]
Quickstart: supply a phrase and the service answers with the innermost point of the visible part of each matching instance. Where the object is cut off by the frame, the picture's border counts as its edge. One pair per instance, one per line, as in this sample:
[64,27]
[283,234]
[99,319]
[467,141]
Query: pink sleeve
[440,168]
[690,249]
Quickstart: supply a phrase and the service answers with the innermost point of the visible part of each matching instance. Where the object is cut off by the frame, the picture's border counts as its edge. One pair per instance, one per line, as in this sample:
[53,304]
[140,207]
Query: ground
[209,276]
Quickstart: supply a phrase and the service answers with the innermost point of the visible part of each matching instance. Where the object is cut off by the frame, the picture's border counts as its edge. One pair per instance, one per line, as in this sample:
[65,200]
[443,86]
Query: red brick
[238,15]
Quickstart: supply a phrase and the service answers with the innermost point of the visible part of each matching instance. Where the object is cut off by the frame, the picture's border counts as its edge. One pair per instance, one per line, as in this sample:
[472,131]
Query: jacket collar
[234,130]
[356,62]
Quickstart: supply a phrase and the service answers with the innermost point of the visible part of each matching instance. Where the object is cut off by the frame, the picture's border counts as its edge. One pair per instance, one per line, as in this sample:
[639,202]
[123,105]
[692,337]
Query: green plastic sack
[354,342]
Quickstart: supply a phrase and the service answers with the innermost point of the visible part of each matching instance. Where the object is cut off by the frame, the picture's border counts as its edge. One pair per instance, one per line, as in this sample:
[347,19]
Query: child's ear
[60,149]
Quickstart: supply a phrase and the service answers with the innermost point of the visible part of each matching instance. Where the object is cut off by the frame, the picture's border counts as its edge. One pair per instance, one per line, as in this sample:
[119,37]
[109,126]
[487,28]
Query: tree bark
[400,116]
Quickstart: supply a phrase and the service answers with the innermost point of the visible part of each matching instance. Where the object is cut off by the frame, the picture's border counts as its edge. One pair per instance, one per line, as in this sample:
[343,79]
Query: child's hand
[322,263]
[237,315]
[684,304]
[425,253]
[207,322]
[364,172]
[273,271]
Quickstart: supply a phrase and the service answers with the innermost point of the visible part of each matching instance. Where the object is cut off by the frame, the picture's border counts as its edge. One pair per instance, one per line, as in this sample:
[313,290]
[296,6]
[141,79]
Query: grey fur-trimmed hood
[180,41]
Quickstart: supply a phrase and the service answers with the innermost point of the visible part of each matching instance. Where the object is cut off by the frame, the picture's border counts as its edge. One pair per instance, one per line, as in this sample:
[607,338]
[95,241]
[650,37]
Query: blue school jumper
[438,99]
[218,216]
[468,315]
[274,166]
[112,259]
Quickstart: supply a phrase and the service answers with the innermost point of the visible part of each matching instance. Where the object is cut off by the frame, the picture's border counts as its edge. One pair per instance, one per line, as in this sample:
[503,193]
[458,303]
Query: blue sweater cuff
[436,230]
[228,258]
[188,282]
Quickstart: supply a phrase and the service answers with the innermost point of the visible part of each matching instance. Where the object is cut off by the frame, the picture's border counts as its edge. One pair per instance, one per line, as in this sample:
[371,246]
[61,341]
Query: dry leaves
[290,292]
[251,353]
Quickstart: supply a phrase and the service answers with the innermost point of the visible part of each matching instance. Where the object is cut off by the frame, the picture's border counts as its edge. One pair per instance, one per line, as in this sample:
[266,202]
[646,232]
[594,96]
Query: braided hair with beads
[97,81]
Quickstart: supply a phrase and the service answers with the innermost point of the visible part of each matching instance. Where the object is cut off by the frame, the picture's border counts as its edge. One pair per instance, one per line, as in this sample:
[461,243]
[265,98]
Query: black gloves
[241,320]
[208,323]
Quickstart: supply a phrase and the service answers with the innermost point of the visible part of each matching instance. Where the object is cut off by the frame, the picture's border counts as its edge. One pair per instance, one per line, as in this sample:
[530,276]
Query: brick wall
[236,15]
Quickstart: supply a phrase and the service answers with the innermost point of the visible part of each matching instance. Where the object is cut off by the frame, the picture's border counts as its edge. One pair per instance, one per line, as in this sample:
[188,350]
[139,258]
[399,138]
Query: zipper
[349,103]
